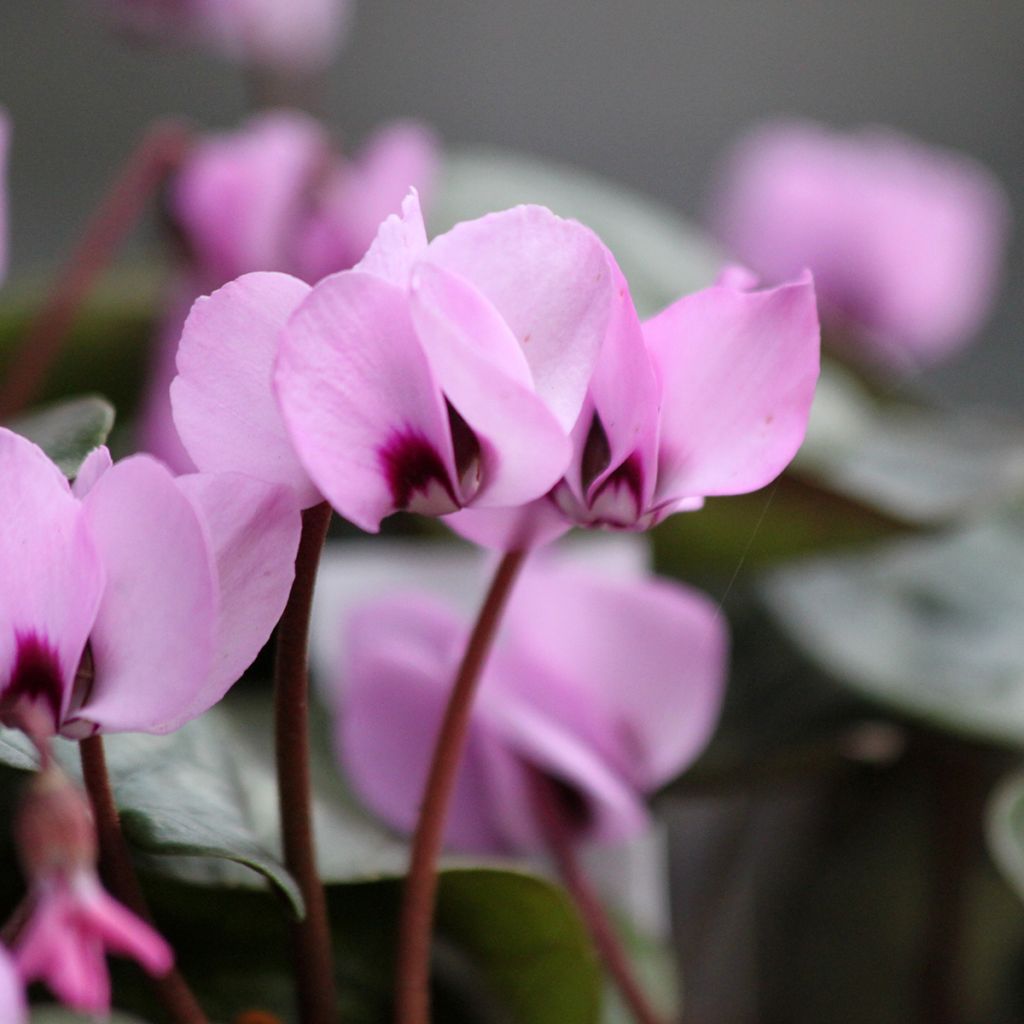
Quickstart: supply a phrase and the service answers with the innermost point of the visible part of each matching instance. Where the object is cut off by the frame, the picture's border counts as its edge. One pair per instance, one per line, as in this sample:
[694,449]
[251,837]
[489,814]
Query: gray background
[648,93]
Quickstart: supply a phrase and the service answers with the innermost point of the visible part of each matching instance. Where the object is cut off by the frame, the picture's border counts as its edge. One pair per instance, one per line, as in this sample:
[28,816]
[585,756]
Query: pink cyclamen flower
[608,683]
[431,377]
[906,241]
[301,36]
[709,397]
[73,923]
[274,195]
[132,600]
[12,991]
[73,920]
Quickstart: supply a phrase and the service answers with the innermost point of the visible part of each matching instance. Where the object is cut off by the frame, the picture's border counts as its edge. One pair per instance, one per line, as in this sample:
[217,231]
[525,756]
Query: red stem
[311,937]
[142,173]
[119,873]
[561,842]
[412,987]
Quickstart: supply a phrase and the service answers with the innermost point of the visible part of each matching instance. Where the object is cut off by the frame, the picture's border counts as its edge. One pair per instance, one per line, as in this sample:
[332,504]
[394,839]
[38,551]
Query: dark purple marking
[411,463]
[597,454]
[36,676]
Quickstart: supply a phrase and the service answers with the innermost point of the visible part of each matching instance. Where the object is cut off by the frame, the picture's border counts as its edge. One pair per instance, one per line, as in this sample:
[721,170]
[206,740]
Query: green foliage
[929,627]
[68,430]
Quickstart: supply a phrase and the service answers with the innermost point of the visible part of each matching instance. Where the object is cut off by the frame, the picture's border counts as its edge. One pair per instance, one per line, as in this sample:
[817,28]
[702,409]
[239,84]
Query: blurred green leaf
[68,430]
[661,254]
[107,349]
[927,627]
[918,465]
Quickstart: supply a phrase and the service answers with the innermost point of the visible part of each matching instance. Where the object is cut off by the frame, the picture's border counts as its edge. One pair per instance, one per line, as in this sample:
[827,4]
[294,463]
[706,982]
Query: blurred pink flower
[133,600]
[710,397]
[12,991]
[609,684]
[73,924]
[300,36]
[273,195]
[73,921]
[906,241]
[428,378]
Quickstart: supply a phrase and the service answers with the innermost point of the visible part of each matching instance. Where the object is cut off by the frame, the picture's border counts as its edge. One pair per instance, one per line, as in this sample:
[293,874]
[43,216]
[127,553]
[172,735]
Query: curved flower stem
[143,172]
[119,873]
[561,843]
[412,987]
[311,937]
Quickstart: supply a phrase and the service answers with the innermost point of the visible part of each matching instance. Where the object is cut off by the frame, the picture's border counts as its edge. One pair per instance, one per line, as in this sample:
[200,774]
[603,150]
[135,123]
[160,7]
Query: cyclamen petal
[153,637]
[363,407]
[224,408]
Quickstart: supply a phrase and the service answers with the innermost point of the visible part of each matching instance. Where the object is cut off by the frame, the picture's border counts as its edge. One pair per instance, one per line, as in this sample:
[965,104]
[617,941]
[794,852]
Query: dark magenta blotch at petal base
[36,677]
[416,473]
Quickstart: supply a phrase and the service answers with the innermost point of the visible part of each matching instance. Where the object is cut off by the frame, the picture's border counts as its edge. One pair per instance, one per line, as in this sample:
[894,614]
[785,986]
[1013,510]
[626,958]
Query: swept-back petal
[646,654]
[402,655]
[551,281]
[483,373]
[52,578]
[152,642]
[254,528]
[223,402]
[400,241]
[739,370]
[362,405]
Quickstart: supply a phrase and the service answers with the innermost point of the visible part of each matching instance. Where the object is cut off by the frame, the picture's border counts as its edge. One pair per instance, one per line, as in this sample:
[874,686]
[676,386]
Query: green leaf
[68,430]
[928,627]
[662,255]
[525,938]
[918,465]
[108,344]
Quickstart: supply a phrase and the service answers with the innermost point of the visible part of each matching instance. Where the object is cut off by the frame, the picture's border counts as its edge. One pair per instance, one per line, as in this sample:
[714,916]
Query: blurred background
[648,94]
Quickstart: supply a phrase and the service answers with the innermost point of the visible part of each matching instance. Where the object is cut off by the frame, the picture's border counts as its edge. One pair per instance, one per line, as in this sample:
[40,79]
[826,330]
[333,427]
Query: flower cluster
[501,363]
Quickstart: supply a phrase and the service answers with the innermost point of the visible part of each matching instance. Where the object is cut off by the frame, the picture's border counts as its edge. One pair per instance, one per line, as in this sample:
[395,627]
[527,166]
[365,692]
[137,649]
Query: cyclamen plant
[477,371]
